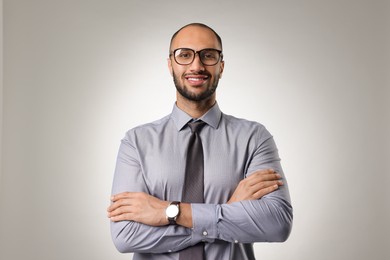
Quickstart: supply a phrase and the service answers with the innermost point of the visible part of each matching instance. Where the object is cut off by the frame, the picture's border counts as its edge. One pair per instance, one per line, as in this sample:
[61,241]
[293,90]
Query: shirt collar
[211,117]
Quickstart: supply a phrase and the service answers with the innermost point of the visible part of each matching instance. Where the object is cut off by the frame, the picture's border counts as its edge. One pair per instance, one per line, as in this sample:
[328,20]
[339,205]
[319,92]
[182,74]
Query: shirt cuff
[204,221]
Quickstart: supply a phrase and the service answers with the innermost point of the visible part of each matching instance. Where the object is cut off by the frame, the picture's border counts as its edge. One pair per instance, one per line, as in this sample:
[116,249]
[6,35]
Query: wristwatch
[172,212]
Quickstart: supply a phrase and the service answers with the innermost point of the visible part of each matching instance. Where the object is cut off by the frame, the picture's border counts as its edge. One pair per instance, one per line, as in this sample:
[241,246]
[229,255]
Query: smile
[196,79]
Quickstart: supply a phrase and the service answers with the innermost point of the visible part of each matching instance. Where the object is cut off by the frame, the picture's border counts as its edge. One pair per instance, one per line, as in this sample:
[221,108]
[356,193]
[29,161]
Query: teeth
[195,79]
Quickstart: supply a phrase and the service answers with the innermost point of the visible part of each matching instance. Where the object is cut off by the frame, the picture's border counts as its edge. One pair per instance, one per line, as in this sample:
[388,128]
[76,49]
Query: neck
[195,109]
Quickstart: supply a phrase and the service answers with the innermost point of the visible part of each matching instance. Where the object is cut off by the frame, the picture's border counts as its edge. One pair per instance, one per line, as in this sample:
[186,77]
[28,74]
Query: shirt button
[170,251]
[236,241]
[205,233]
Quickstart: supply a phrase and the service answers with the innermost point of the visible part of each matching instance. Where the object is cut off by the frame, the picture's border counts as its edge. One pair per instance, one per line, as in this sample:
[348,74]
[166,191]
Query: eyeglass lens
[186,56]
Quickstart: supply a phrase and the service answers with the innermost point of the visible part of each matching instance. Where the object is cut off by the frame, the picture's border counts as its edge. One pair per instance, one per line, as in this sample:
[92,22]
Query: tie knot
[196,126]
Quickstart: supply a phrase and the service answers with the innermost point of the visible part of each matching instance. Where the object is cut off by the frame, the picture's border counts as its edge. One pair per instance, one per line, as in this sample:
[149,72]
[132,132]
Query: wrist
[172,212]
[185,217]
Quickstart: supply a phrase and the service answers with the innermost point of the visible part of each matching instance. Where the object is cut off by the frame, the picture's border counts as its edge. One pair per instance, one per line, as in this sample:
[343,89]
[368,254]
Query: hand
[256,186]
[139,207]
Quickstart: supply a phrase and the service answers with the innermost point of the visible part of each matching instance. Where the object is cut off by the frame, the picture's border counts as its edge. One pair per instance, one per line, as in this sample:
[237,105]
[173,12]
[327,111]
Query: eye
[210,55]
[184,54]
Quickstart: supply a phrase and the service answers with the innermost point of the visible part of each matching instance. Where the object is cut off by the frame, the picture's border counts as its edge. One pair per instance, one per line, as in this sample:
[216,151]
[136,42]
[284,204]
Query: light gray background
[78,74]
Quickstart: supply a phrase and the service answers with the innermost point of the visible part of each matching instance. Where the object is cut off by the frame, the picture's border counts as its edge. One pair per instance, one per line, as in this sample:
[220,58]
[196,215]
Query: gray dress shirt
[152,159]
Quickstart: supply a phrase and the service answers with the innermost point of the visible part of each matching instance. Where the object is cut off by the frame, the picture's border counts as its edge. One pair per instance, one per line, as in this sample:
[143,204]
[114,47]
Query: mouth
[196,80]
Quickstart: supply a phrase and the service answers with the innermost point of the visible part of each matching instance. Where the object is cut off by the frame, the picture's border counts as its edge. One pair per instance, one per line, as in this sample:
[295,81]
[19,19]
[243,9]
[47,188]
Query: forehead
[195,37]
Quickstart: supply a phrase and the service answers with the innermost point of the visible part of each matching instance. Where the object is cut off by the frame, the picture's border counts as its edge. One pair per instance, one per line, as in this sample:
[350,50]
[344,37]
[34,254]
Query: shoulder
[251,133]
[241,123]
[151,128]
[244,130]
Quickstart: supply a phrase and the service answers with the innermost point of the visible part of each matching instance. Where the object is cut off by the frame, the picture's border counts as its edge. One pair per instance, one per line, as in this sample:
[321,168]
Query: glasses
[208,57]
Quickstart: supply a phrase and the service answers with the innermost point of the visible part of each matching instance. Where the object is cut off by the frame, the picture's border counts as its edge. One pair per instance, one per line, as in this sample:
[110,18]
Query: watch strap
[172,220]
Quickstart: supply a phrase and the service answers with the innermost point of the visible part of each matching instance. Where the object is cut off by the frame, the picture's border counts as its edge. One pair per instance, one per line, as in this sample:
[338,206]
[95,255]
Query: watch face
[172,211]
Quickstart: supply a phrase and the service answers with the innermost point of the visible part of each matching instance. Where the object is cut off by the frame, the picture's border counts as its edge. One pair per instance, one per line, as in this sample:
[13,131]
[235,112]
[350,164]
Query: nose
[197,64]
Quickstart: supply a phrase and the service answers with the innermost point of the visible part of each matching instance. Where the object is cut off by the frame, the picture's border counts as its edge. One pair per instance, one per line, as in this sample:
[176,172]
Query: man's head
[196,62]
[199,25]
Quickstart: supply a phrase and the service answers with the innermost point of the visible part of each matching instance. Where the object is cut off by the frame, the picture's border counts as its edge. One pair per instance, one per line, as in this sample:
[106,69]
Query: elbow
[282,233]
[275,224]
[282,224]
[120,240]
[121,246]
[129,237]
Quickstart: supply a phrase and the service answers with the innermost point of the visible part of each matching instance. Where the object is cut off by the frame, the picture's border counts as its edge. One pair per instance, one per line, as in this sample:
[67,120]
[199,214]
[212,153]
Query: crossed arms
[146,209]
[258,210]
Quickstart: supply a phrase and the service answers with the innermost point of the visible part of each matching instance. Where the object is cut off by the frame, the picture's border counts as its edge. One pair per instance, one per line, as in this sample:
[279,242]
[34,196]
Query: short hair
[199,25]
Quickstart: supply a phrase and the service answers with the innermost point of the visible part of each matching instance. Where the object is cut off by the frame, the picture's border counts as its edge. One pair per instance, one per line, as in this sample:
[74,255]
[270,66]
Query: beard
[183,90]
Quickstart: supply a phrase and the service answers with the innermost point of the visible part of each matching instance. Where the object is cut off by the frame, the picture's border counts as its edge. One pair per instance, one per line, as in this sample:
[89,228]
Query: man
[246,198]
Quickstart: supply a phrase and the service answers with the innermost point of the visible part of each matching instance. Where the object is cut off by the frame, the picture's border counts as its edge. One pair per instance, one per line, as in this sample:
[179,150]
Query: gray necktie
[193,184]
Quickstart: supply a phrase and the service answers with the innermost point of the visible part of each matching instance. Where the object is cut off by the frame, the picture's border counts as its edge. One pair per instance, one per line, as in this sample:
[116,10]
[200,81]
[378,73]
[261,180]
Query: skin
[196,38]
[195,97]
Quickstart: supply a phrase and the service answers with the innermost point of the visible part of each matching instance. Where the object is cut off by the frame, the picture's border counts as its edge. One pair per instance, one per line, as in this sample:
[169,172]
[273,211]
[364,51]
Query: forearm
[259,210]
[139,224]
[185,217]
[145,232]
[266,220]
[130,236]
[133,236]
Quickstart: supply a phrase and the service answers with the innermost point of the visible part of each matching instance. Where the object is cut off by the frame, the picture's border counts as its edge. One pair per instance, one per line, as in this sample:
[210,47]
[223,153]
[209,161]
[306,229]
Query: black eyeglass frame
[200,57]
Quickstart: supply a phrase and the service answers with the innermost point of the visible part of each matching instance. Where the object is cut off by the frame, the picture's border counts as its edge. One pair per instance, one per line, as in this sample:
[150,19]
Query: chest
[163,163]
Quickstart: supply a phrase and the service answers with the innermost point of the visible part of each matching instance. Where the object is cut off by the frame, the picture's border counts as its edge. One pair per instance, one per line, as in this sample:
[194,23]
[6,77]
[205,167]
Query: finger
[269,177]
[120,211]
[257,189]
[112,207]
[260,173]
[120,203]
[121,195]
[261,193]
[124,210]
[264,172]
[265,184]
[257,178]
[121,217]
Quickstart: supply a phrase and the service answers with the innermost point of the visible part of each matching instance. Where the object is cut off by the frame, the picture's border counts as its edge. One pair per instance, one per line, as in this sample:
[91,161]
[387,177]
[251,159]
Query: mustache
[200,73]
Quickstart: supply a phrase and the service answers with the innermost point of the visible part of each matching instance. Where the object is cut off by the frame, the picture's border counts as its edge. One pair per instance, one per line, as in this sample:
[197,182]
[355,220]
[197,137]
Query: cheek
[177,78]
[177,71]
[217,75]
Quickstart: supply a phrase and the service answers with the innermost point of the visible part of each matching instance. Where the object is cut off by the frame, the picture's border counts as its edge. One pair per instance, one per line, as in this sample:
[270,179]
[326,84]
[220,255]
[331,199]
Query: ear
[170,66]
[221,67]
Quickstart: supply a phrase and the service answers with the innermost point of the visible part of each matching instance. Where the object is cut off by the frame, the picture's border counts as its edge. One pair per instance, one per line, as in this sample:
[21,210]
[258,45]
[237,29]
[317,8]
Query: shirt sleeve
[268,219]
[130,236]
